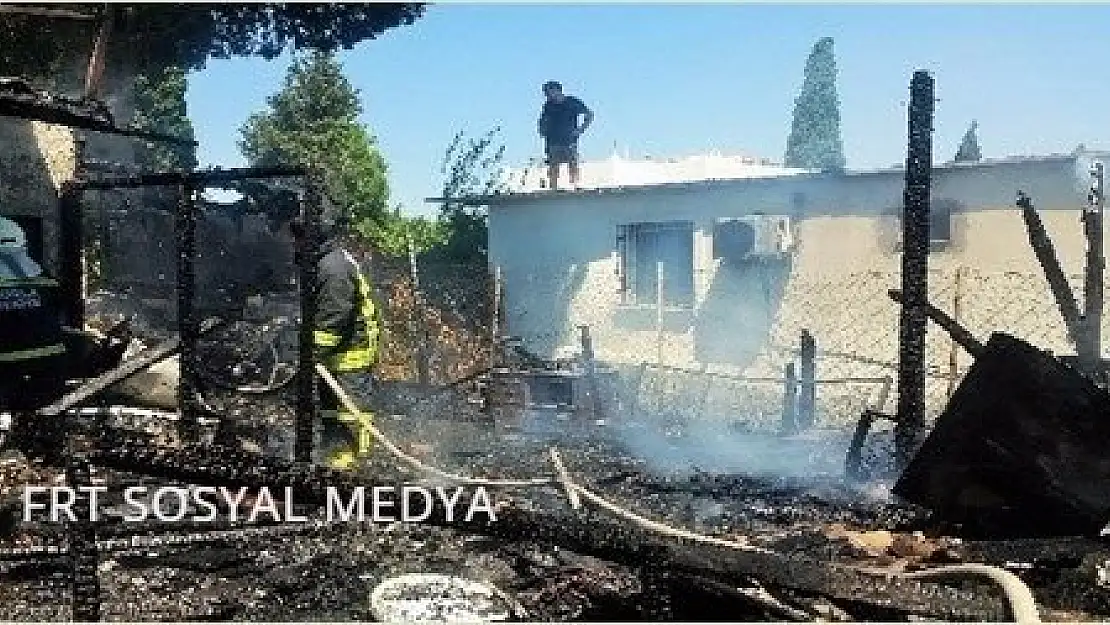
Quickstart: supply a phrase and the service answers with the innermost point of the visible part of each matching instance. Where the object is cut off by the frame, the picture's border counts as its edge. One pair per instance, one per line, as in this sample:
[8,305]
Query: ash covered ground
[785,495]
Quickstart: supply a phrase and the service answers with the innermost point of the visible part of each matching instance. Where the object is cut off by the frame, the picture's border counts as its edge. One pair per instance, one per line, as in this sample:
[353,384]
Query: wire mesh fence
[670,395]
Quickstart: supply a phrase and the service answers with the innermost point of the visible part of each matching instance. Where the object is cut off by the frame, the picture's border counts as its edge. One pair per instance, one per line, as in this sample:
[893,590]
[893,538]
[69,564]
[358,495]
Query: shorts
[559,154]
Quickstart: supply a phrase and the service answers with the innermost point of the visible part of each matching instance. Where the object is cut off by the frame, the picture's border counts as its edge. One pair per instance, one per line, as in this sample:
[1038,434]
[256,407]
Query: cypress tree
[814,141]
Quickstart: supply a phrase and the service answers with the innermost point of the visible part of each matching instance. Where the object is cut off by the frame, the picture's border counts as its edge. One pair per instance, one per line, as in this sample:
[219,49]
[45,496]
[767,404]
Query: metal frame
[22,102]
[191,183]
[82,549]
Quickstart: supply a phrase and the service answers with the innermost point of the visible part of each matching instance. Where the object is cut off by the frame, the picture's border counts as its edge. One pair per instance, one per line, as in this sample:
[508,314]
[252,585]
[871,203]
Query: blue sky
[677,79]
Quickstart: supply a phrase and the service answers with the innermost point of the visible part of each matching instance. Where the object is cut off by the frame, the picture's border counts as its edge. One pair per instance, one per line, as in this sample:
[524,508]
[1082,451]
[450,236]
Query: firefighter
[32,342]
[345,336]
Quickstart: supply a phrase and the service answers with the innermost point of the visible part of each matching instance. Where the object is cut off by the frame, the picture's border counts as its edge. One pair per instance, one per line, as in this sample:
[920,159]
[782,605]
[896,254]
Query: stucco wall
[558,256]
[35,160]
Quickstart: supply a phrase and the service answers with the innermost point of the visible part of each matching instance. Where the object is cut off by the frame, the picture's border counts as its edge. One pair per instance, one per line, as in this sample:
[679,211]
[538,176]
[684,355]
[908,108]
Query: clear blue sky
[678,79]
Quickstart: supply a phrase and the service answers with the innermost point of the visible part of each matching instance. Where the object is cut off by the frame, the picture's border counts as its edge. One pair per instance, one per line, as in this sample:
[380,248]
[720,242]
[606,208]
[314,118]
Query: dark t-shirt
[561,119]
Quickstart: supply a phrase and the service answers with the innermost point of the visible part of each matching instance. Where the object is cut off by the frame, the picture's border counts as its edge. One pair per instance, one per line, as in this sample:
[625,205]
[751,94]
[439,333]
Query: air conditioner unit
[753,236]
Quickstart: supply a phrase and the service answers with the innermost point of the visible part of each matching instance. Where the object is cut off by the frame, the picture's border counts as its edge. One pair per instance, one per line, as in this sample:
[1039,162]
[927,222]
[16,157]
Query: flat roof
[507,197]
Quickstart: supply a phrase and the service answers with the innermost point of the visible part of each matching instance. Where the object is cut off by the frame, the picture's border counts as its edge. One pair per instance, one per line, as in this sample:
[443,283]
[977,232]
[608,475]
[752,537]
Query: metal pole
[419,328]
[188,327]
[1096,263]
[915,258]
[495,325]
[308,257]
[953,348]
[659,311]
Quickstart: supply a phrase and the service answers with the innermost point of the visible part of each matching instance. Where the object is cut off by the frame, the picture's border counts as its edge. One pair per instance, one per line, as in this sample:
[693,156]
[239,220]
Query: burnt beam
[915,271]
[960,334]
[1050,263]
[188,326]
[22,107]
[308,256]
[200,179]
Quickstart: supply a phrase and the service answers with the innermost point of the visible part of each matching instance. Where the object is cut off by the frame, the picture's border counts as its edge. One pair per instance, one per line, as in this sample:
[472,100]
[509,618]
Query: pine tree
[814,141]
[969,147]
[313,121]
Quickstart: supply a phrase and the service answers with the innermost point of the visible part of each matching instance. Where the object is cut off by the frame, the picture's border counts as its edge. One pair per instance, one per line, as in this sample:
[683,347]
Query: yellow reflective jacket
[346,332]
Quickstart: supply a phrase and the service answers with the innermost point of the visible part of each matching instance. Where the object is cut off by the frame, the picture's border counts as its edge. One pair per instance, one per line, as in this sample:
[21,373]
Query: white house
[748,261]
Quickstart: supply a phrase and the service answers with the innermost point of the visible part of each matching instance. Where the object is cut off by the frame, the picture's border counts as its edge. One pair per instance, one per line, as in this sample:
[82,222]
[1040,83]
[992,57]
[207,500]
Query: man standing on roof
[559,127]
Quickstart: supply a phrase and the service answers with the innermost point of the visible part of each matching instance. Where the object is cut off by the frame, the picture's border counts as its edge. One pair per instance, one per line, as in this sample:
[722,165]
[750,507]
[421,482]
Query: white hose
[345,399]
[1023,605]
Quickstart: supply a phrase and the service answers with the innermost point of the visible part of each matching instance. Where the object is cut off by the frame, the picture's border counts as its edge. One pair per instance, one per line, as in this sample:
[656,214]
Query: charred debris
[1004,497]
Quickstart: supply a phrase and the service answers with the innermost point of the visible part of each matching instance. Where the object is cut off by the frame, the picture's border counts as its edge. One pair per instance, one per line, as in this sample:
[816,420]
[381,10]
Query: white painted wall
[558,252]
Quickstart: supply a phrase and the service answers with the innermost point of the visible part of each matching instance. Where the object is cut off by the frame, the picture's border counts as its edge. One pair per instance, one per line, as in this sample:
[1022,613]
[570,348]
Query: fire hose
[1020,598]
[125,452]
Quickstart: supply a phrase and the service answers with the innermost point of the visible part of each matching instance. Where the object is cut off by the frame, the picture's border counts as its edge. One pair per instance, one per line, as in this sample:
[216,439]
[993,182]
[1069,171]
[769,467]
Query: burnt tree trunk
[915,259]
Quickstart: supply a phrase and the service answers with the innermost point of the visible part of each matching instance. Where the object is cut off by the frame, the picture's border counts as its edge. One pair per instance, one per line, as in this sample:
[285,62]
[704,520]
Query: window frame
[627,252]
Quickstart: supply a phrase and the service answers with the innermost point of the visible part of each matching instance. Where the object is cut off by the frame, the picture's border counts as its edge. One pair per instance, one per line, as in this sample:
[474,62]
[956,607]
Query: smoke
[718,446]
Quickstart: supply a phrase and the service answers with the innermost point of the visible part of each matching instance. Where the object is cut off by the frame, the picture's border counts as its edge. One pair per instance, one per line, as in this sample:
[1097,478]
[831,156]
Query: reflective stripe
[325,339]
[361,357]
[27,282]
[33,353]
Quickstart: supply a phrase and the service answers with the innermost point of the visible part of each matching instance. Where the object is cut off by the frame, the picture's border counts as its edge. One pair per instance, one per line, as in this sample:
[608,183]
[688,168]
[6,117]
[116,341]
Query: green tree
[313,121]
[160,107]
[969,147]
[814,141]
[393,236]
[156,35]
[471,167]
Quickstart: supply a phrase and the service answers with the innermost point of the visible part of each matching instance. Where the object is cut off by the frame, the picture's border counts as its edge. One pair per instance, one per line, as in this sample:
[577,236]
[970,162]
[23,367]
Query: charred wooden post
[308,258]
[1019,449]
[958,333]
[915,270]
[187,322]
[634,390]
[789,401]
[71,274]
[1046,256]
[81,532]
[589,364]
[853,460]
[1091,354]
[807,382]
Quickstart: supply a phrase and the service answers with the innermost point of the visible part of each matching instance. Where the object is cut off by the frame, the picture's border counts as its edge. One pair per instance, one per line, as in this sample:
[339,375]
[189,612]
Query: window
[940,222]
[645,249]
